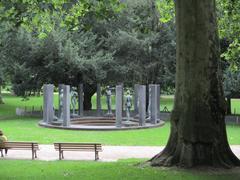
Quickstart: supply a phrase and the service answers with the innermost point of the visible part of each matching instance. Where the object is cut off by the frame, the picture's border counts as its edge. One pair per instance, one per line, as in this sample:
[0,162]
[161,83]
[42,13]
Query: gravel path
[110,153]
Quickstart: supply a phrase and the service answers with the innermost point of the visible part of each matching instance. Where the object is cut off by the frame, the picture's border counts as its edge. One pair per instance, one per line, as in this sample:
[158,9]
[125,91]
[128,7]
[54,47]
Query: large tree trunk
[198,131]
[1,98]
[89,90]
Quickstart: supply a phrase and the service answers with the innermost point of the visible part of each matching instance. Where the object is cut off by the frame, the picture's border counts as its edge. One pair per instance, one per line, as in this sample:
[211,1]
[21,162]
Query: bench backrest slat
[78,146]
[21,145]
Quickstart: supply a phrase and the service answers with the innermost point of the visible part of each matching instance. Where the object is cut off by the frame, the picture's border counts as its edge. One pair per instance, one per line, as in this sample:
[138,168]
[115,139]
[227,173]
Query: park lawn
[235,106]
[27,129]
[85,170]
[12,102]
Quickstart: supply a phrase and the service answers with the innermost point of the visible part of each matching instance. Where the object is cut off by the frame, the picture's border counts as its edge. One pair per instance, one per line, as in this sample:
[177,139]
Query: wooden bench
[90,147]
[33,146]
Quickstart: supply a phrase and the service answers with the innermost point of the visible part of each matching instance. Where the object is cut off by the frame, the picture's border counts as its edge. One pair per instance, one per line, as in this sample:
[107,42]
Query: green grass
[12,102]
[27,129]
[235,106]
[85,170]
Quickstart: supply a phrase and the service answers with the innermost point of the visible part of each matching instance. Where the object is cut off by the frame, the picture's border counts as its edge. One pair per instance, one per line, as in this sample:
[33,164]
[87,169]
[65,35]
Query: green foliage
[166,10]
[40,16]
[144,48]
[229,28]
[232,55]
[232,83]
[61,57]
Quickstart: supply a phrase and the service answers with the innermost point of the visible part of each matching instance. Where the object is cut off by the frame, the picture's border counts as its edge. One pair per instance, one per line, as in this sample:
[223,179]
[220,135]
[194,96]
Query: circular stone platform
[100,123]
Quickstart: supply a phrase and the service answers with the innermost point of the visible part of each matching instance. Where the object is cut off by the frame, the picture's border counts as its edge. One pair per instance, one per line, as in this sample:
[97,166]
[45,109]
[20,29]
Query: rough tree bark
[198,131]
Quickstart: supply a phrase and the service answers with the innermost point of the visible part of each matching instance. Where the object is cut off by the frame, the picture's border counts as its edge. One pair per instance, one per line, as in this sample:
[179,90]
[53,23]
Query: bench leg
[35,154]
[1,153]
[6,151]
[62,155]
[96,156]
[32,155]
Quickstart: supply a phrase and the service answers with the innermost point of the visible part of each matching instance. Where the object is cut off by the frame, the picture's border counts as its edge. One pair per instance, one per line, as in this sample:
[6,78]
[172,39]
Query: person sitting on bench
[3,139]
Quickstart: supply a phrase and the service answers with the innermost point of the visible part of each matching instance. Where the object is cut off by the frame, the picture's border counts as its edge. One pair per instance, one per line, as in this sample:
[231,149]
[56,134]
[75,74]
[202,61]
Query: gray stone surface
[99,104]
[119,105]
[48,111]
[136,100]
[158,100]
[60,107]
[128,105]
[149,101]
[153,95]
[80,99]
[74,101]
[66,105]
[142,104]
[109,100]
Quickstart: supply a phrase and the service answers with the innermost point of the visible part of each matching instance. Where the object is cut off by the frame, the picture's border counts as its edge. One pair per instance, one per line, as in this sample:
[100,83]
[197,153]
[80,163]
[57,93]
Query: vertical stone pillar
[153,90]
[119,105]
[136,99]
[66,105]
[60,87]
[158,101]
[80,99]
[99,104]
[142,104]
[149,101]
[48,112]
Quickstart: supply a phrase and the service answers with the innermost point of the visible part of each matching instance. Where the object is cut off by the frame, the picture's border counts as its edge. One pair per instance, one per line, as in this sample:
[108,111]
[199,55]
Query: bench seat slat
[89,150]
[12,146]
[78,143]
[68,148]
[98,149]
[21,149]
[90,147]
[27,145]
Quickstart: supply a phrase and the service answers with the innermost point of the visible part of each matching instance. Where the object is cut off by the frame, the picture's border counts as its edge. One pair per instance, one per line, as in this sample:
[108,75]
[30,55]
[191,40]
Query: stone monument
[109,101]
[74,99]
[128,105]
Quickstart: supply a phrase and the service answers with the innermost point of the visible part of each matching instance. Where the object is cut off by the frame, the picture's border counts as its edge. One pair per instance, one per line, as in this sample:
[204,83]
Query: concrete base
[100,123]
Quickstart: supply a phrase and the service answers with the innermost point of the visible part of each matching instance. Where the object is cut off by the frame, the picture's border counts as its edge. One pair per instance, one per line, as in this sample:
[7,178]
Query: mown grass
[85,170]
[27,129]
[12,102]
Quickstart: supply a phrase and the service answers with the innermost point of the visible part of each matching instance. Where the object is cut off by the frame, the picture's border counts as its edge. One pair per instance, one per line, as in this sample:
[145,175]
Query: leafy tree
[144,48]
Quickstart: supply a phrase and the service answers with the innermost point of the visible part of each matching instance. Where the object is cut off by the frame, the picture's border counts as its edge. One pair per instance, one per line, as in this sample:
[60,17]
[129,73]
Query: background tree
[198,132]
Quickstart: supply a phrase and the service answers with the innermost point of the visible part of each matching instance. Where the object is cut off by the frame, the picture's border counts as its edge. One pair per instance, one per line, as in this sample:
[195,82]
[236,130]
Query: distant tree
[143,46]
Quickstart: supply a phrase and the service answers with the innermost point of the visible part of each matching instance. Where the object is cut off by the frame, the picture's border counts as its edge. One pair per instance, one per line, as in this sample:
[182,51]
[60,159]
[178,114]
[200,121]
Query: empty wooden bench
[90,147]
[33,146]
